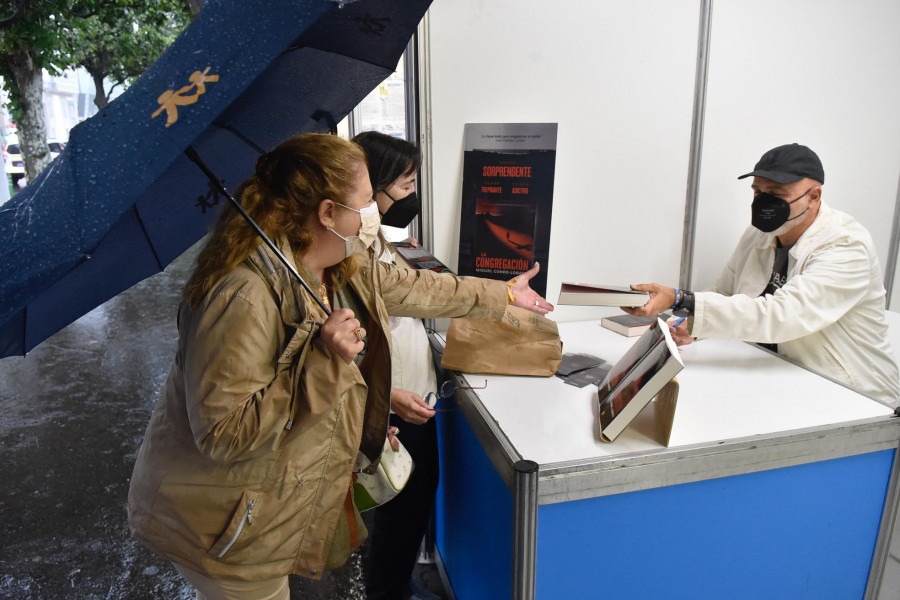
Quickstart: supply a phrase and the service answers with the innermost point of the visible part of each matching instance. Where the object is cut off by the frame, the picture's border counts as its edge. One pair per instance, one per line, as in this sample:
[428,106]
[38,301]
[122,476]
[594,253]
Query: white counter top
[728,390]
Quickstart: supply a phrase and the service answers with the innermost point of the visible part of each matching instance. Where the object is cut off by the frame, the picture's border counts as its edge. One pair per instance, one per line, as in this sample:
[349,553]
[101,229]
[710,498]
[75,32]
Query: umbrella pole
[192,154]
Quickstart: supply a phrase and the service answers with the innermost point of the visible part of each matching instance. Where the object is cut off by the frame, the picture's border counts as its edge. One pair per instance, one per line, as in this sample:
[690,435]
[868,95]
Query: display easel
[657,418]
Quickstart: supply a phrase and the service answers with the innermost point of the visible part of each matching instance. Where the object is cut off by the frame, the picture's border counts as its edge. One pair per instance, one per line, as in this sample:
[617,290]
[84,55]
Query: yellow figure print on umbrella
[170,100]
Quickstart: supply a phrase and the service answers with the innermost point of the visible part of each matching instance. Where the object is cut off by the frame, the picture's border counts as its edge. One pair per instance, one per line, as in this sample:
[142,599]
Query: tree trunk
[31,132]
[99,93]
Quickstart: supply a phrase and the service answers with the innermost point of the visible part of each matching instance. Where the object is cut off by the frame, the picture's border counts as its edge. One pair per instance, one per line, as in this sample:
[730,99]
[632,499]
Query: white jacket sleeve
[832,280]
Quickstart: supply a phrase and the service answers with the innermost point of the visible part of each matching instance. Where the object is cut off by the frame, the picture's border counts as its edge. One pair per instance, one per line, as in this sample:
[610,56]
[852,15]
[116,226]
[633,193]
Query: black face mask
[771,212]
[402,211]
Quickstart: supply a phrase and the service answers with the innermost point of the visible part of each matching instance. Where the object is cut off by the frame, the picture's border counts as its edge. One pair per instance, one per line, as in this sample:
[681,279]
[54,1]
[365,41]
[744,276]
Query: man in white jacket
[804,281]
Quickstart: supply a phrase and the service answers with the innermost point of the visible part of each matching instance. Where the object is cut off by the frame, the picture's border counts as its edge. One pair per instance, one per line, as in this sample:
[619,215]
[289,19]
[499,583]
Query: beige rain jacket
[248,456]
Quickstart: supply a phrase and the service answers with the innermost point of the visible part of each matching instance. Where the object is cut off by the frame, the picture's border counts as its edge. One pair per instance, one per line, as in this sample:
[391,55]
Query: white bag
[391,475]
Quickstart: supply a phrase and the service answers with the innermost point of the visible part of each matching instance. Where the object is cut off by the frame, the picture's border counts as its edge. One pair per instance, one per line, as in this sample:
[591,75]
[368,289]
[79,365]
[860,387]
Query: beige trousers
[232,589]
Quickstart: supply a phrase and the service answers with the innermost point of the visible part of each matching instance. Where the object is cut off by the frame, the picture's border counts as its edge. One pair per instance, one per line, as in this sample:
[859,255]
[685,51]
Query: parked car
[55,148]
[15,164]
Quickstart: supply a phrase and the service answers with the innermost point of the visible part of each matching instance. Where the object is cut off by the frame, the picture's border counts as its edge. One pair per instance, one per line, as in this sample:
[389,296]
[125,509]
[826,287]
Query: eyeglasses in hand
[448,389]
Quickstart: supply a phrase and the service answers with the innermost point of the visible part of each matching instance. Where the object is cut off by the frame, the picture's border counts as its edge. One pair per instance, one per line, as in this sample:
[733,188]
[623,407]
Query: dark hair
[389,158]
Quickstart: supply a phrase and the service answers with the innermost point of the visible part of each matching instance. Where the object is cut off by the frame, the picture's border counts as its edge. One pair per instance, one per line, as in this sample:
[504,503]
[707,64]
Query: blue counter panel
[474,515]
[806,532]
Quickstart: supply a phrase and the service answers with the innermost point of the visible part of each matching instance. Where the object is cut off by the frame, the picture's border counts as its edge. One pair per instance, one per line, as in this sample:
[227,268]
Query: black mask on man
[771,212]
[402,211]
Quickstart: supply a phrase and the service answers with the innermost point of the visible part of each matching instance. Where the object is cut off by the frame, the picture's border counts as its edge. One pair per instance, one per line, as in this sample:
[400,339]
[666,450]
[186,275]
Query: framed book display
[507,200]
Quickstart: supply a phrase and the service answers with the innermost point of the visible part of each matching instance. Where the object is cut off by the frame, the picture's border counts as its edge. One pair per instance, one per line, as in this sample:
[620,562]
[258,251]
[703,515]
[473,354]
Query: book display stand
[664,412]
[656,420]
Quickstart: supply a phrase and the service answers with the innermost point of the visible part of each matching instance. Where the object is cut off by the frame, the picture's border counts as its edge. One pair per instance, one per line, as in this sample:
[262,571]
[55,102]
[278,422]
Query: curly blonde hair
[289,183]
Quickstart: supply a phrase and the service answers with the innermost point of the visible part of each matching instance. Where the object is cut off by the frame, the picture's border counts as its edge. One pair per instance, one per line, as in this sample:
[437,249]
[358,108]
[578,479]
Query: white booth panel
[824,73]
[618,77]
[895,291]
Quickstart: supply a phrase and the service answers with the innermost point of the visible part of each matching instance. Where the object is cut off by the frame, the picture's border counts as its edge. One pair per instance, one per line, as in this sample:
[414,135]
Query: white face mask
[368,231]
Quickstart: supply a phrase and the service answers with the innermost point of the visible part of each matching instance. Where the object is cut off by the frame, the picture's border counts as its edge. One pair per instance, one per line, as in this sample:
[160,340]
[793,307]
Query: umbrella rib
[241,136]
[371,63]
[140,221]
[24,330]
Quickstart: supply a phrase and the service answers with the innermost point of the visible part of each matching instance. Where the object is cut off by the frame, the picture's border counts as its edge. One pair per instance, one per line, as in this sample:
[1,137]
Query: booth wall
[825,74]
[619,78]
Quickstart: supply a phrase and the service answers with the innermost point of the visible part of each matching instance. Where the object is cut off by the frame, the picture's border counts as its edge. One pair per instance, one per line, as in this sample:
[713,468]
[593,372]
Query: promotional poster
[507,200]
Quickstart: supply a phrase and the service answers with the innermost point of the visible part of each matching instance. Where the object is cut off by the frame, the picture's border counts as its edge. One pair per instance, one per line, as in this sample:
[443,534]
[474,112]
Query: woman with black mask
[399,525]
[393,166]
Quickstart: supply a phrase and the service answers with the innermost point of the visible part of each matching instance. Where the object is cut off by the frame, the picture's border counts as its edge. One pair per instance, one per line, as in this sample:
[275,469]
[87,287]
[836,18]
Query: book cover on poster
[635,379]
[507,200]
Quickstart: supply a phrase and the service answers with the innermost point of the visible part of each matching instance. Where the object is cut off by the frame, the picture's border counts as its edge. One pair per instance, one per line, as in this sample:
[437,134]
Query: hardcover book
[628,325]
[586,294]
[419,258]
[642,373]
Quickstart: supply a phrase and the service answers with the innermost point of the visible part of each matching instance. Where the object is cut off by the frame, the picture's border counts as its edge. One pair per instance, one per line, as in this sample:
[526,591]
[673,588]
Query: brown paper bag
[522,343]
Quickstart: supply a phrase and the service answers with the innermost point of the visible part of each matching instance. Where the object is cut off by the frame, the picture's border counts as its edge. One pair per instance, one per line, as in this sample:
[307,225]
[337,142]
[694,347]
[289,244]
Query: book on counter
[586,294]
[628,325]
[636,378]
[419,258]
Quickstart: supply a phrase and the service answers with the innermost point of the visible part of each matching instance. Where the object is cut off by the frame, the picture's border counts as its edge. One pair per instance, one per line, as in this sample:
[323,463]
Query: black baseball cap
[787,164]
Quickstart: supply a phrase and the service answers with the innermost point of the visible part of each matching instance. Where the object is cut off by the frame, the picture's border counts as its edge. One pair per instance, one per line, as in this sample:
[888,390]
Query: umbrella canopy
[122,201]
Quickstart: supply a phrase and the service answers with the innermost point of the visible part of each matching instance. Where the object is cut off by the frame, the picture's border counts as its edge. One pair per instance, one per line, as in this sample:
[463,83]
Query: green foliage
[120,39]
[114,39]
[28,33]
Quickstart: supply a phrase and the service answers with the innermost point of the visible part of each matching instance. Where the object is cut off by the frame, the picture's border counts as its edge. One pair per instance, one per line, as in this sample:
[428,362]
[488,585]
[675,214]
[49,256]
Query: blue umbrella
[122,201]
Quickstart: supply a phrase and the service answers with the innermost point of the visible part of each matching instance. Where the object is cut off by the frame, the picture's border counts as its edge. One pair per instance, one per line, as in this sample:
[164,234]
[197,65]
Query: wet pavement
[72,416]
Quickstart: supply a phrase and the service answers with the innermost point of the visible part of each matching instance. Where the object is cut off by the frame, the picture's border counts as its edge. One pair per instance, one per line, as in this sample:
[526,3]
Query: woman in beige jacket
[269,407]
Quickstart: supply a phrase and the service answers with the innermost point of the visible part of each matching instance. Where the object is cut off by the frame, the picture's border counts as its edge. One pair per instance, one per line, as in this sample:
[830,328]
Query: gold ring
[359,335]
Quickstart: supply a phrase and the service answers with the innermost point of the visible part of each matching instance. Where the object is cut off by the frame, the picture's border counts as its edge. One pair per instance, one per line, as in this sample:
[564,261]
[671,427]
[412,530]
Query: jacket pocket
[238,532]
[294,352]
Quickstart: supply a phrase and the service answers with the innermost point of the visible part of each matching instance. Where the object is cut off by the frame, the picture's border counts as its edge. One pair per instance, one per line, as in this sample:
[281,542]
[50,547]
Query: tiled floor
[890,585]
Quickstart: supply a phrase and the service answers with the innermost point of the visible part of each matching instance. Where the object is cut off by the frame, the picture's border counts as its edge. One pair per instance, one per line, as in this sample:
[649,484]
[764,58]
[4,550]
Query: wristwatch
[685,308]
